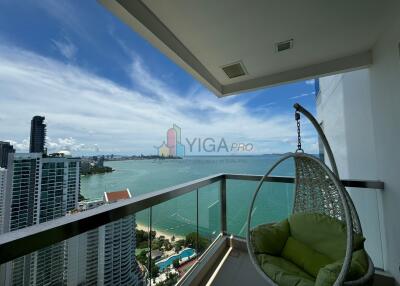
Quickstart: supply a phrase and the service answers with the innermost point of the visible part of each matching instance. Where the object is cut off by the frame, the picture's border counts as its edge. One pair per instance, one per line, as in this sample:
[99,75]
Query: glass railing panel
[209,215]
[174,246]
[105,255]
[238,198]
[273,203]
[369,209]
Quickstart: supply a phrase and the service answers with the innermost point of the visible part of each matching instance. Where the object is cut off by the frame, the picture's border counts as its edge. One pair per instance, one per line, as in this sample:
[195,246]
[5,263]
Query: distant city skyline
[38,187]
[172,146]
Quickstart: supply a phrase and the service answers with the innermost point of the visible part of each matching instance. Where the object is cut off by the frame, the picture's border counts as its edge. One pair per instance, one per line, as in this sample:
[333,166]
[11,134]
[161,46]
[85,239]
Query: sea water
[179,216]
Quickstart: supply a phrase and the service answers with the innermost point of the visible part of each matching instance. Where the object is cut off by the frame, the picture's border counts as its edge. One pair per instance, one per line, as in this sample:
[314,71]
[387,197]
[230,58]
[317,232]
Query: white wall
[330,113]
[344,107]
[368,103]
[385,103]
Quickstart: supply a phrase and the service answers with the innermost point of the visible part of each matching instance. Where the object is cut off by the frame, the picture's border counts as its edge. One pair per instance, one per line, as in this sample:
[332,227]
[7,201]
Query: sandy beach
[160,233]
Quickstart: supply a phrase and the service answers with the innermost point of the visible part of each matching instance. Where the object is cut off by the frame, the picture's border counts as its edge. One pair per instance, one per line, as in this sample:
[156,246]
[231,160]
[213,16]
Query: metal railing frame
[27,240]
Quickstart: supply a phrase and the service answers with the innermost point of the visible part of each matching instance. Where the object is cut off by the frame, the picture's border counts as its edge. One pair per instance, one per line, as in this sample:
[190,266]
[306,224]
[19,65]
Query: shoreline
[142,158]
[160,233]
[97,173]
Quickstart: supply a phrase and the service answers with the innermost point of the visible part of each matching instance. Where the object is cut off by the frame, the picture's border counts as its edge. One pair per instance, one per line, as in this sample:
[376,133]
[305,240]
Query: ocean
[178,216]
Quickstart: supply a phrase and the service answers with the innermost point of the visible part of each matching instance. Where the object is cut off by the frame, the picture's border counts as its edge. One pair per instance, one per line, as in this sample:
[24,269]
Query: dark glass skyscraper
[5,149]
[38,135]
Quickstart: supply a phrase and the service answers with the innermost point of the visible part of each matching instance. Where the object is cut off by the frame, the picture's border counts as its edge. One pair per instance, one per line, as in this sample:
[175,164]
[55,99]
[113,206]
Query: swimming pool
[186,253]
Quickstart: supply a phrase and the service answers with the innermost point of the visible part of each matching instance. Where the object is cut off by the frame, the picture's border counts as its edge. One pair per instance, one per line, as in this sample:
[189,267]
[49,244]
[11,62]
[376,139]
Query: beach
[160,233]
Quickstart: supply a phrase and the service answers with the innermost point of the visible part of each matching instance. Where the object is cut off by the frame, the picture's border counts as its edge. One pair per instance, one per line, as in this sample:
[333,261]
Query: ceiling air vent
[234,70]
[283,46]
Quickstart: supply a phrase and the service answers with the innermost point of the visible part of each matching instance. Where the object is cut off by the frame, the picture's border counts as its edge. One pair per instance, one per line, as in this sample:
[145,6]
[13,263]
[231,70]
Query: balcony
[213,215]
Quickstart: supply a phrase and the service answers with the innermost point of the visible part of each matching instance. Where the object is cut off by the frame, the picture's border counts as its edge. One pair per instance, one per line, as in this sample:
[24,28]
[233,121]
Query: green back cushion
[324,234]
[359,266]
[283,272]
[304,256]
[270,238]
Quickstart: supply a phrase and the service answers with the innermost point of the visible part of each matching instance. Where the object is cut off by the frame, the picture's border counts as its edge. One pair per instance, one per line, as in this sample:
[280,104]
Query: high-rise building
[22,191]
[38,135]
[5,149]
[106,255]
[39,188]
[3,181]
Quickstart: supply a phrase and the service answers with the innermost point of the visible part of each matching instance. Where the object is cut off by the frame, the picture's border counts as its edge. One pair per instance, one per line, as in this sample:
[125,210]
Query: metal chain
[297,117]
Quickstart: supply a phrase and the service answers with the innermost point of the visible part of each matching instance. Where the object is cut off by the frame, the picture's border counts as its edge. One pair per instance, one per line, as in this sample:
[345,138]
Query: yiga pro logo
[175,148]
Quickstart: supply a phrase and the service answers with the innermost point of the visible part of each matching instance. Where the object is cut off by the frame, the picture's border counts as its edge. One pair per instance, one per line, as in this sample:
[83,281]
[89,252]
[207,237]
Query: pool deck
[185,266]
[184,259]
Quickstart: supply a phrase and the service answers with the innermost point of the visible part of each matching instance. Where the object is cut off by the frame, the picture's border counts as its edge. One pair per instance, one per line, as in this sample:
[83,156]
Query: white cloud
[66,48]
[310,81]
[20,146]
[58,144]
[65,13]
[302,95]
[86,112]
[69,144]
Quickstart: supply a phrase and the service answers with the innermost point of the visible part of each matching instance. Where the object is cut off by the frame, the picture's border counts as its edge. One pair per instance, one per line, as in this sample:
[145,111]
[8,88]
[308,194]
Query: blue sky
[104,89]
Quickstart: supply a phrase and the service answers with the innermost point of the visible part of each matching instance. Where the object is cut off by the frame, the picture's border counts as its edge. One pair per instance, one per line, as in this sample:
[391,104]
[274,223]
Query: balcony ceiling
[202,36]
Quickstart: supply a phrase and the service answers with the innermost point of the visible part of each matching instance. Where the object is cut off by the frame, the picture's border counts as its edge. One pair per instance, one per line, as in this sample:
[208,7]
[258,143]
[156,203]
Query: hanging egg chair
[321,243]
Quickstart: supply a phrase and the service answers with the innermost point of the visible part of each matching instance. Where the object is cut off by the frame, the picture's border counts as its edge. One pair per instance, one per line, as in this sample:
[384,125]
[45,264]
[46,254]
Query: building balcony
[208,216]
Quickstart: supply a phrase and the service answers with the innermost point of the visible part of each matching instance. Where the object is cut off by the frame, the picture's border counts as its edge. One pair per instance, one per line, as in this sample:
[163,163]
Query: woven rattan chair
[318,190]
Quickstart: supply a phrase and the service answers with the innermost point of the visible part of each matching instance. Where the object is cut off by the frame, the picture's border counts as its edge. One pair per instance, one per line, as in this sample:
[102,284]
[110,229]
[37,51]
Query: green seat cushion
[359,265]
[358,268]
[323,233]
[284,272]
[304,256]
[270,238]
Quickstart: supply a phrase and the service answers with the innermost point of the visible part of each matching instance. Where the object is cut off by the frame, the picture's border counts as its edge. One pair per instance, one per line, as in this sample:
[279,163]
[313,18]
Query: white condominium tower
[39,188]
[3,180]
[106,255]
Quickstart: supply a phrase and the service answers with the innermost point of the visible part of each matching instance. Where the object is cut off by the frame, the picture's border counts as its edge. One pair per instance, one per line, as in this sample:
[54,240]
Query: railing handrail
[350,183]
[17,243]
[20,242]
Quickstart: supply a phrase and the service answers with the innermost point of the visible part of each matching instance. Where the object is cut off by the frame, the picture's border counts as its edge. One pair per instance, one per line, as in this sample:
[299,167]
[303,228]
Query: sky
[105,90]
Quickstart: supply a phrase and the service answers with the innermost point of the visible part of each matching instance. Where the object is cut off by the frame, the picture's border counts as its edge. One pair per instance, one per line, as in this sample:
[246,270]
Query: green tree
[143,236]
[154,269]
[167,245]
[175,263]
[143,244]
[191,241]
[179,244]
[142,258]
[81,197]
[156,244]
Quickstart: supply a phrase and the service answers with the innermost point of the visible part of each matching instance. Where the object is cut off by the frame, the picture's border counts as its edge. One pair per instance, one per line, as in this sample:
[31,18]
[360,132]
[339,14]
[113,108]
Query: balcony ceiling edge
[149,22]
[344,64]
[141,19]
